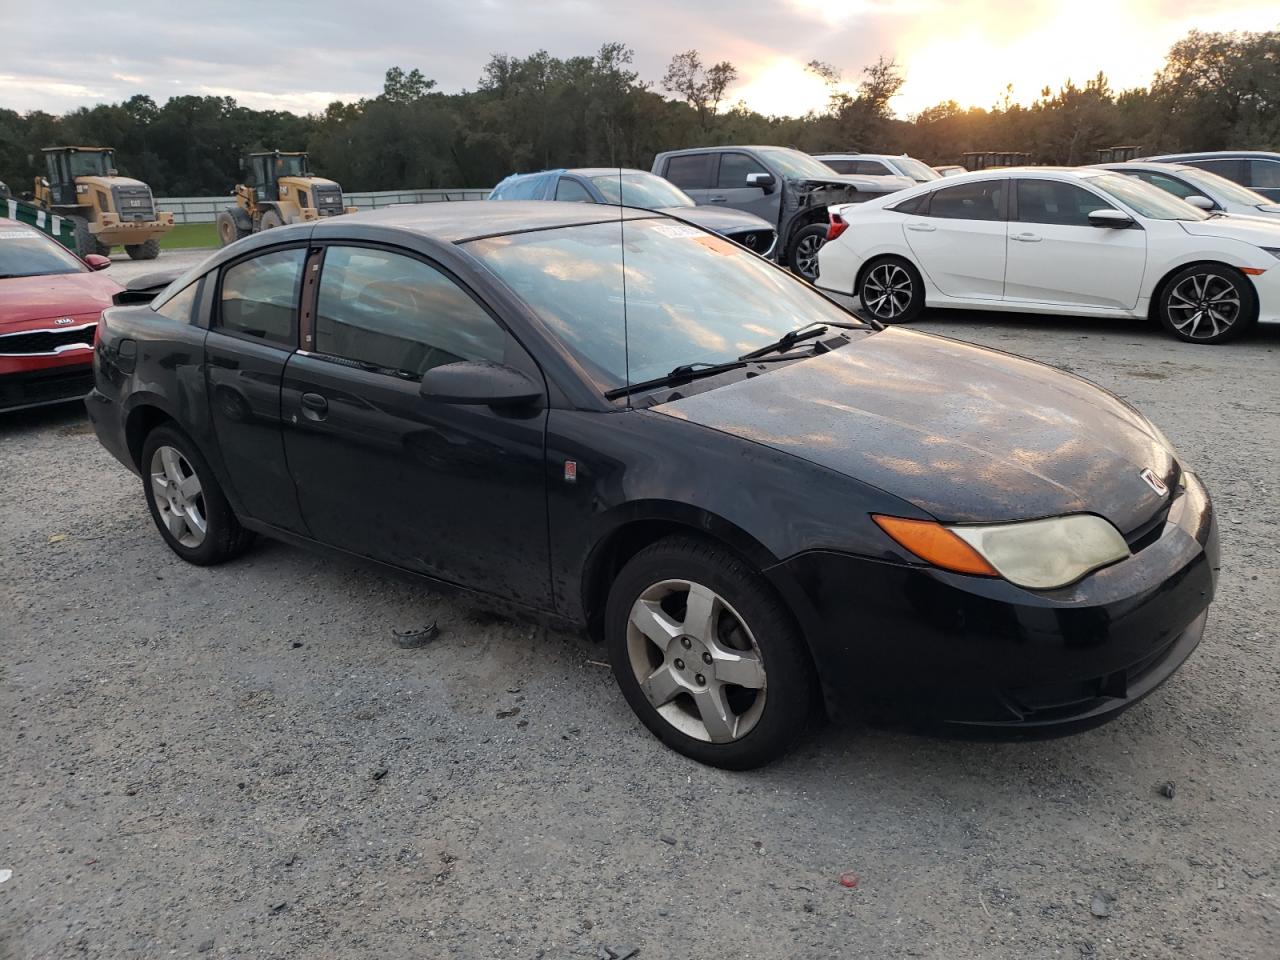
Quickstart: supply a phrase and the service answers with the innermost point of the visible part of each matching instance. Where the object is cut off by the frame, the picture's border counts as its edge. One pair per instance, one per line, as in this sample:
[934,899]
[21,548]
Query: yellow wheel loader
[280,188]
[106,209]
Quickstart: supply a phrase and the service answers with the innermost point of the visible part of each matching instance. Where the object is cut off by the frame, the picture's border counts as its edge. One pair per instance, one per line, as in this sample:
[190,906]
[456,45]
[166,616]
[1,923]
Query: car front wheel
[1207,304]
[186,503]
[707,656]
[802,255]
[891,290]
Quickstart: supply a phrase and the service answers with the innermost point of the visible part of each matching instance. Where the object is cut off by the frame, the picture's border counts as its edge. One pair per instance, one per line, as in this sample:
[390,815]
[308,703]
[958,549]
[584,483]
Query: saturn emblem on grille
[1154,482]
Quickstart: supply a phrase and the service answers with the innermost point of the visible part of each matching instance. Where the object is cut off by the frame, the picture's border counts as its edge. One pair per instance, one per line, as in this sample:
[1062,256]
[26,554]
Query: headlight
[1036,554]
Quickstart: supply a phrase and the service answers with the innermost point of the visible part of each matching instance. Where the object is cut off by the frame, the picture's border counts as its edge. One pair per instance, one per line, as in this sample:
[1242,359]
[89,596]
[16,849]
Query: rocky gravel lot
[241,762]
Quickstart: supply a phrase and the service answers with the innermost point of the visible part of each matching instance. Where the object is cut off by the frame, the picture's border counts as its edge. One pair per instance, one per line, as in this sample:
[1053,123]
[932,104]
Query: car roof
[457,221]
[606,171]
[726,148]
[861,156]
[1212,154]
[1156,165]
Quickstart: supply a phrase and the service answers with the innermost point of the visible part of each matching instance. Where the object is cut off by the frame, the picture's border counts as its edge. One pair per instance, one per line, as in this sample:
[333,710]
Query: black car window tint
[692,172]
[1265,174]
[572,191]
[1179,188]
[260,297]
[734,168]
[842,166]
[1056,202]
[399,314]
[983,200]
[1231,169]
[872,168]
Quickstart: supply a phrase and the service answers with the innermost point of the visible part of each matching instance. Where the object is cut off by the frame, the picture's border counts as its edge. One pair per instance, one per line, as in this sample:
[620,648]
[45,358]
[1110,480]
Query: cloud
[302,55]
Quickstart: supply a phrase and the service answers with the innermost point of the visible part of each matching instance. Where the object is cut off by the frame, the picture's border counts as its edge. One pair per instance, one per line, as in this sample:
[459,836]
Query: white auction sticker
[16,234]
[677,230]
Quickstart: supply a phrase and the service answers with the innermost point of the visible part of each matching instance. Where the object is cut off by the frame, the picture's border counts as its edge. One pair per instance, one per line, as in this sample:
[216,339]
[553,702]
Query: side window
[981,200]
[690,171]
[1231,169]
[572,191]
[526,188]
[913,205]
[1053,201]
[260,297]
[1179,188]
[1265,174]
[842,166]
[398,314]
[873,168]
[180,307]
[734,168]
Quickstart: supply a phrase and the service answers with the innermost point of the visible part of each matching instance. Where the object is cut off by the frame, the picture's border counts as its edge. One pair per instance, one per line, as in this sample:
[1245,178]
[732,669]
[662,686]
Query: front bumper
[921,643]
[37,380]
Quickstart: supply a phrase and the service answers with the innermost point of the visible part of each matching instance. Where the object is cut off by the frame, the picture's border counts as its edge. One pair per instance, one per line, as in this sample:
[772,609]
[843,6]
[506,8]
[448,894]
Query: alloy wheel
[807,256]
[696,661]
[887,291]
[179,498]
[1203,306]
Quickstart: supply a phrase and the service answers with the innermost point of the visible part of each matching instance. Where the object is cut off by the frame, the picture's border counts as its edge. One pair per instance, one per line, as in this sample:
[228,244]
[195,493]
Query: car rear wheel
[186,503]
[1208,304]
[143,251]
[707,656]
[802,256]
[891,290]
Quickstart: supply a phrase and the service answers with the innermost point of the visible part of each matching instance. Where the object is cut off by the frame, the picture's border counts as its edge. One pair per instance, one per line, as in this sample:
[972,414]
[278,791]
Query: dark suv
[786,187]
[1255,169]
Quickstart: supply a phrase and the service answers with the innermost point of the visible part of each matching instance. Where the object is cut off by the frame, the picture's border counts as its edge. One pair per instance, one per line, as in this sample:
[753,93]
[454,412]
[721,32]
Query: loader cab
[264,171]
[64,164]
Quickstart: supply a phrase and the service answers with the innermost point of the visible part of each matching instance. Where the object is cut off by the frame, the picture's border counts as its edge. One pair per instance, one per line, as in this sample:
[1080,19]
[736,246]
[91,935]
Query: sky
[300,56]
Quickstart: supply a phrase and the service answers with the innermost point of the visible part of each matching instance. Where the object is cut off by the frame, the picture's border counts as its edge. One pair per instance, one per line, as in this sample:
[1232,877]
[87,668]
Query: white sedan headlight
[1043,554]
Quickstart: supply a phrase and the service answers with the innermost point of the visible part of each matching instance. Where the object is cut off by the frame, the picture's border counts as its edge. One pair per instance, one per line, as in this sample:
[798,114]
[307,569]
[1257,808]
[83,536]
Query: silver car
[1257,170]
[1198,187]
[880,165]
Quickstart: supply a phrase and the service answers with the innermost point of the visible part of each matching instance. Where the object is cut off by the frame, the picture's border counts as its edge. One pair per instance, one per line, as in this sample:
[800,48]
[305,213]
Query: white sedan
[1081,241]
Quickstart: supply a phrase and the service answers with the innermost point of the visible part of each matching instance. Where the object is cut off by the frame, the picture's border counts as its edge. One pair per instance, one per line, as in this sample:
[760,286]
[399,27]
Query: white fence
[205,209]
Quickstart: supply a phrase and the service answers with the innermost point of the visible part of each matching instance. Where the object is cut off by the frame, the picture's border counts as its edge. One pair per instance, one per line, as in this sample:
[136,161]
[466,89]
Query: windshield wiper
[792,337]
[685,373]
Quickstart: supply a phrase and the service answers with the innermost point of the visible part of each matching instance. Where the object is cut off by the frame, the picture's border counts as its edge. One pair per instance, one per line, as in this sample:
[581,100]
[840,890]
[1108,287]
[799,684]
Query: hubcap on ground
[886,292]
[807,256]
[696,661]
[179,497]
[1204,305]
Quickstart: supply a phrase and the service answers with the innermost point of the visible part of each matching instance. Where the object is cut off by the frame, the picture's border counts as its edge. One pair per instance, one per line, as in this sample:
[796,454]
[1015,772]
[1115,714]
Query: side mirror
[96,261]
[1201,203]
[1115,219]
[479,382]
[764,181]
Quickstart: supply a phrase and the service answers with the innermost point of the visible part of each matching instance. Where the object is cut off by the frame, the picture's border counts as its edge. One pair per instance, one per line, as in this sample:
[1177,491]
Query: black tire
[86,242]
[1207,303]
[895,288]
[779,711]
[143,251]
[102,249]
[223,538]
[802,251]
[229,229]
[270,220]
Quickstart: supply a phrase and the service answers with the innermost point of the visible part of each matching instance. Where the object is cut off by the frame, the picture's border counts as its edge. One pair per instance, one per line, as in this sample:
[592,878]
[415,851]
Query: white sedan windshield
[1144,199]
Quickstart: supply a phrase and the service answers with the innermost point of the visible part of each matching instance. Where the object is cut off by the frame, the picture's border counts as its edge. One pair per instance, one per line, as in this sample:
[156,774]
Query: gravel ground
[239,762]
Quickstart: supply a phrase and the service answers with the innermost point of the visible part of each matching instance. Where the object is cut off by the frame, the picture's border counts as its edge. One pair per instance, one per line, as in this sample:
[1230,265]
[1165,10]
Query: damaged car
[788,188]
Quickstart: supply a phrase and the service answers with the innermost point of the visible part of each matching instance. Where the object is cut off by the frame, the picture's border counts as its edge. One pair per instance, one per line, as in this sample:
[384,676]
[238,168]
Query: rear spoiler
[145,288]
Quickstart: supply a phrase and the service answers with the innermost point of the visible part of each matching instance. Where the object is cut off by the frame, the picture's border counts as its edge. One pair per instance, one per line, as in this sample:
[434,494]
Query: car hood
[717,220]
[1261,231]
[59,295]
[964,433]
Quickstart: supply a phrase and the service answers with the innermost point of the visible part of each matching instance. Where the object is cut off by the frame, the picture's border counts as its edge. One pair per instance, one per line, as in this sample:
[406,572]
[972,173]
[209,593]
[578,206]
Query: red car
[50,303]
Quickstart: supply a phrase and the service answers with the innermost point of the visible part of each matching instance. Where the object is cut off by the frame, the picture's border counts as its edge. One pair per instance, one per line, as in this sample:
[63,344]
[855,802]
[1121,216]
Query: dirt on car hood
[965,433]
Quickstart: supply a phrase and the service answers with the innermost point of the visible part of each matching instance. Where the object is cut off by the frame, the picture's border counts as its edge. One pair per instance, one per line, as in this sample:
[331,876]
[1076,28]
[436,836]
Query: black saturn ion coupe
[762,504]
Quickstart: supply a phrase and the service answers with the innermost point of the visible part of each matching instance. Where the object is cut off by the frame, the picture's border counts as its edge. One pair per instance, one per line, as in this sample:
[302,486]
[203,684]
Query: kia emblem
[63,321]
[1154,482]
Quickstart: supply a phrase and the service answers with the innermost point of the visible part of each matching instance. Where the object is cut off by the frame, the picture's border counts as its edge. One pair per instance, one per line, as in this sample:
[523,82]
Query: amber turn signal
[935,544]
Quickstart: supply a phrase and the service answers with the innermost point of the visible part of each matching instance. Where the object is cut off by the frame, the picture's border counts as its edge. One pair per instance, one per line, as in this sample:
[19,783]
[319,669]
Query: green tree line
[1214,91]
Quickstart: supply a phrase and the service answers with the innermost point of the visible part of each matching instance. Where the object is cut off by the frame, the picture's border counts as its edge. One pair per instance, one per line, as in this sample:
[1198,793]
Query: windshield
[290,166]
[1146,200]
[916,170]
[642,190]
[691,296]
[793,163]
[1228,190]
[28,253]
[91,164]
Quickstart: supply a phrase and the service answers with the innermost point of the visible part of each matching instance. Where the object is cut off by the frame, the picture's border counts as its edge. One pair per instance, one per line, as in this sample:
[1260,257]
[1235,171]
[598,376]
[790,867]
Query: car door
[1055,256]
[253,332]
[694,173]
[958,239]
[732,189]
[453,491]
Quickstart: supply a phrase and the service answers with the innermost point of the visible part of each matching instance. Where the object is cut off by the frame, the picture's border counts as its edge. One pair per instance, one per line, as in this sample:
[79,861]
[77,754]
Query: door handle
[922,227]
[1025,237]
[314,406]
[717,199]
